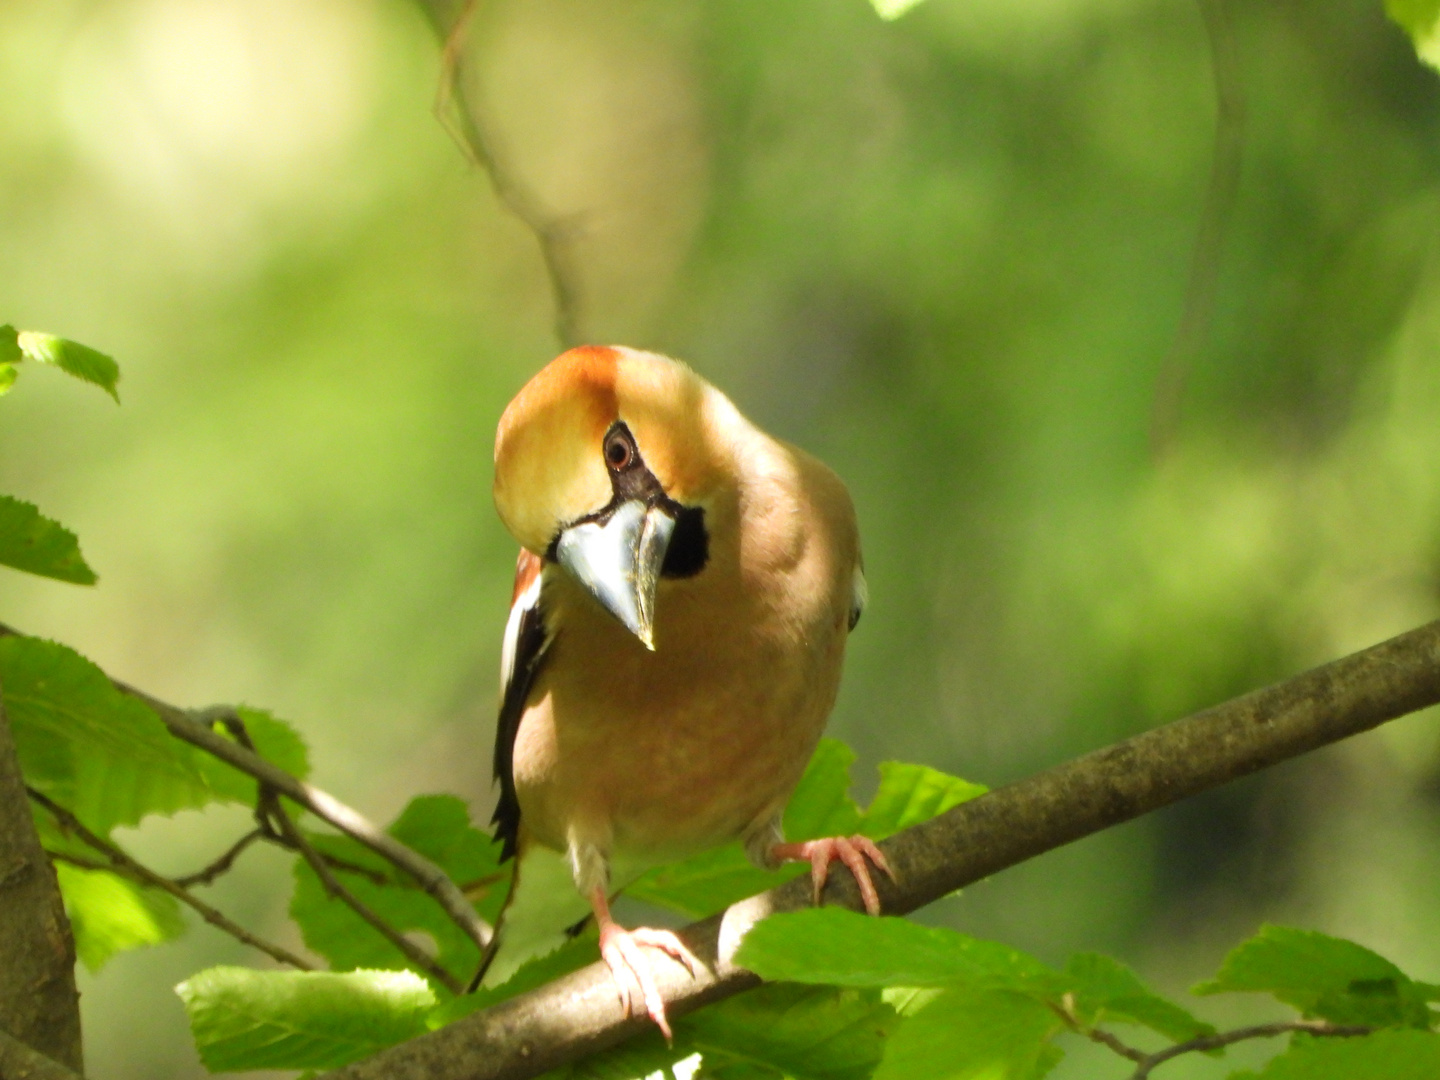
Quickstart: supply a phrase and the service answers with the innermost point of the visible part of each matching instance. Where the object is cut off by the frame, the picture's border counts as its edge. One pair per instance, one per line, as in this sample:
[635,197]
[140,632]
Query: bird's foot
[850,850]
[623,953]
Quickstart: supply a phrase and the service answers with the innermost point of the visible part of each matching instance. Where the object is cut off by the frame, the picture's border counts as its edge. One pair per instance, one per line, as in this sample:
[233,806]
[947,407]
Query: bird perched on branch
[682,599]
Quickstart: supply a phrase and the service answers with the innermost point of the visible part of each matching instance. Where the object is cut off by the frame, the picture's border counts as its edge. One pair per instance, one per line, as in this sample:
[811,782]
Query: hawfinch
[683,594]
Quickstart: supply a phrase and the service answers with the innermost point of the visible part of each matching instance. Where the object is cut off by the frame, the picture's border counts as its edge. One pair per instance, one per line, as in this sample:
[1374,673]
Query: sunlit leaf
[109,914]
[7,378]
[838,947]
[31,542]
[1421,20]
[275,740]
[972,1034]
[100,754]
[243,1019]
[893,9]
[1322,976]
[910,794]
[73,358]
[803,1032]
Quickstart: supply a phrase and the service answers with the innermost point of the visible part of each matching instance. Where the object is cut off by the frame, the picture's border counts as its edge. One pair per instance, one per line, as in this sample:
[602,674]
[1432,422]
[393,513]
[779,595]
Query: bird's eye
[619,451]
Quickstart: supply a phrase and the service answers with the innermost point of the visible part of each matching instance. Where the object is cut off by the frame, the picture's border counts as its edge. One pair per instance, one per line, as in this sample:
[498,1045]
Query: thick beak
[619,562]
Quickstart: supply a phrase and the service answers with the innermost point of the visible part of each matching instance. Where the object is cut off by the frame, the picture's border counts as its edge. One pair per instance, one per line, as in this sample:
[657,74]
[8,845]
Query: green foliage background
[946,253]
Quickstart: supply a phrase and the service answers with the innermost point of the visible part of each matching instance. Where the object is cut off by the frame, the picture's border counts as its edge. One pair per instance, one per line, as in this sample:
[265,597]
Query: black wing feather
[531,644]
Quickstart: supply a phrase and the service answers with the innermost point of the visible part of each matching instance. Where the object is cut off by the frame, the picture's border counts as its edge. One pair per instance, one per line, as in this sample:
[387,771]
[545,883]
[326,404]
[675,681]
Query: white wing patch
[859,595]
[524,603]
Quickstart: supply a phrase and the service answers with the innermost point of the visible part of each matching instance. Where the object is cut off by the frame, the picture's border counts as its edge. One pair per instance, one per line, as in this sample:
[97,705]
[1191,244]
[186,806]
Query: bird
[683,595]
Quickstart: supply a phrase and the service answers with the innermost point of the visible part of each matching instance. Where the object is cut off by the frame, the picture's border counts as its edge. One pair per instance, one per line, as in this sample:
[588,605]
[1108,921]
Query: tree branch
[465,122]
[1225,1038]
[326,807]
[123,864]
[580,1014]
[20,1062]
[270,812]
[39,1005]
[1199,309]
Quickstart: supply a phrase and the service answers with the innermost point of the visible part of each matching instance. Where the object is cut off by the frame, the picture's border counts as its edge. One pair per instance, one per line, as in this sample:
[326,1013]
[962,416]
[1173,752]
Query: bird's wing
[526,640]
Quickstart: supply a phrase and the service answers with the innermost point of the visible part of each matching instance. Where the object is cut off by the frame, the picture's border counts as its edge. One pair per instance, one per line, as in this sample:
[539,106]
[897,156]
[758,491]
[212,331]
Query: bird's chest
[663,753]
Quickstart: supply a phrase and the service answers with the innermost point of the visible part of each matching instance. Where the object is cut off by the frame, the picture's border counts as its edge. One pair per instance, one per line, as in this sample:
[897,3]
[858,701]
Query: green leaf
[438,827]
[802,1032]
[1105,989]
[713,880]
[842,948]
[571,956]
[73,358]
[893,9]
[243,1019]
[10,345]
[1322,976]
[968,1033]
[1421,20]
[100,754]
[910,794]
[109,914]
[1385,1055]
[7,378]
[275,740]
[31,542]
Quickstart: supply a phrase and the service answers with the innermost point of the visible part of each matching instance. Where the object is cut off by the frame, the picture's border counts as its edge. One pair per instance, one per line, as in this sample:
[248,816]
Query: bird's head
[602,464]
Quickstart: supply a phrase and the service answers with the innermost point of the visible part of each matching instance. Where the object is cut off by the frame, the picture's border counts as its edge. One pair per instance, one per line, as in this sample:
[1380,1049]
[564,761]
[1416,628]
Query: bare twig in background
[39,1005]
[326,807]
[221,865]
[21,1062]
[1145,1063]
[465,121]
[126,866]
[1260,1031]
[1199,310]
[271,813]
[580,1014]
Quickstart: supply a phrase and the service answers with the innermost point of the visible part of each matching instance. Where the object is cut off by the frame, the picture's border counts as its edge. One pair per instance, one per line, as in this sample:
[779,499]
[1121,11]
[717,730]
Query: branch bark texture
[580,1014]
[39,1005]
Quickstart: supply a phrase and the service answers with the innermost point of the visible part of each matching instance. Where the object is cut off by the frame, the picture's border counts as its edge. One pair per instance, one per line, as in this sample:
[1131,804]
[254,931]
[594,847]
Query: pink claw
[850,850]
[621,950]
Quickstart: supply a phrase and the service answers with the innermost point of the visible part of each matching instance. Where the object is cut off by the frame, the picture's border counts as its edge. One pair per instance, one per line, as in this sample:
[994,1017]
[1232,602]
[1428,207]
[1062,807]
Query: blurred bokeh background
[947,254]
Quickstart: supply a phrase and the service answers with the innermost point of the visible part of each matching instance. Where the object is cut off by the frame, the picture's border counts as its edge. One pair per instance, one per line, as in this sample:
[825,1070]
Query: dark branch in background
[122,864]
[463,118]
[20,1062]
[39,1005]
[1199,310]
[579,1015]
[270,812]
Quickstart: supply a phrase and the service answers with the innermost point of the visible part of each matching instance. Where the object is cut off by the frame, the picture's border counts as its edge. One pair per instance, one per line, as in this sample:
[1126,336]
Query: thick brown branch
[123,864]
[38,1002]
[1198,312]
[326,807]
[465,121]
[1227,1038]
[20,1062]
[580,1014]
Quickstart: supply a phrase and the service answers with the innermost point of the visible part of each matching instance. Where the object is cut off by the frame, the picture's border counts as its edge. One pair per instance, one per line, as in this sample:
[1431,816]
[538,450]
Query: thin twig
[271,813]
[464,121]
[123,864]
[1259,1031]
[1196,316]
[219,866]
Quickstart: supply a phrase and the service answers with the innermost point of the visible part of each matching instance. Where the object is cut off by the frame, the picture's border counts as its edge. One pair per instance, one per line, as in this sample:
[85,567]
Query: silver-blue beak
[619,562]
